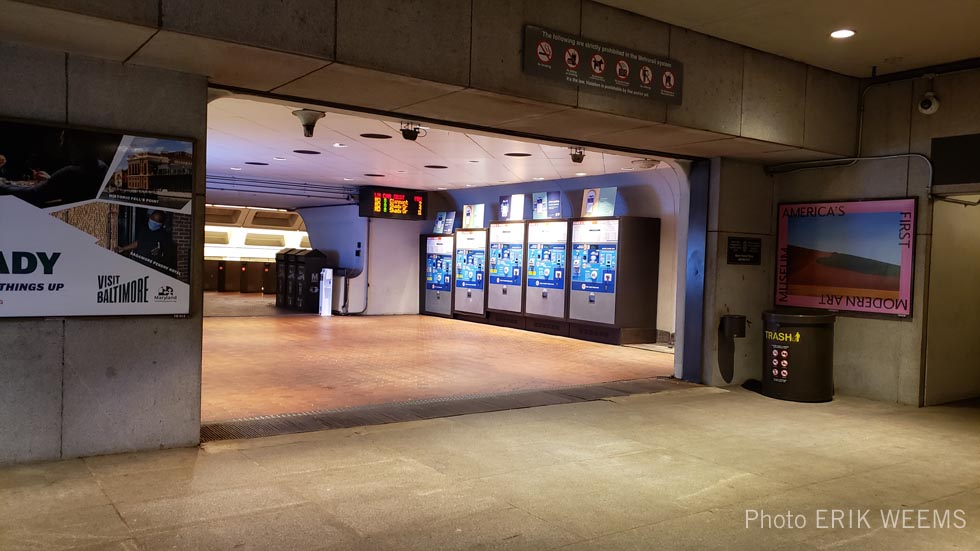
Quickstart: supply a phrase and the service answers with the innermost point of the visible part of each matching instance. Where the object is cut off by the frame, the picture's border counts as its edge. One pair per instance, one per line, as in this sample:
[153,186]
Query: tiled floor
[676,470]
[272,365]
[243,305]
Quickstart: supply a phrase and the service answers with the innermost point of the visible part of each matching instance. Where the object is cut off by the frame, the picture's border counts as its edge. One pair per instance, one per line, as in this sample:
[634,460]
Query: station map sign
[580,62]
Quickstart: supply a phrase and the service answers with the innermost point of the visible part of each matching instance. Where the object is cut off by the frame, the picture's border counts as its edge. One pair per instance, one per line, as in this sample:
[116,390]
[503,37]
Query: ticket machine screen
[546,265]
[438,271]
[469,268]
[506,263]
[594,268]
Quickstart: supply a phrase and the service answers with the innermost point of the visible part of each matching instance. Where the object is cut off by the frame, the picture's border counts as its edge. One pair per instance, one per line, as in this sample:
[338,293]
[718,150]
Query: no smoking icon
[668,80]
[544,52]
[572,58]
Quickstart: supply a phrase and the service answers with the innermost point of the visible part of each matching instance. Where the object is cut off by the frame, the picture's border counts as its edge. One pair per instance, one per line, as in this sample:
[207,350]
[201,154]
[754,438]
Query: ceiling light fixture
[374,136]
[469,185]
[236,168]
[625,168]
[537,178]
[375,175]
[517,154]
[338,144]
[442,188]
[256,163]
[306,152]
[348,179]
[842,33]
[581,173]
[436,166]
[278,158]
[474,161]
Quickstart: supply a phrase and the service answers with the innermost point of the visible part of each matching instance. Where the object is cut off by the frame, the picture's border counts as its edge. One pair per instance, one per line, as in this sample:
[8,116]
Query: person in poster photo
[154,244]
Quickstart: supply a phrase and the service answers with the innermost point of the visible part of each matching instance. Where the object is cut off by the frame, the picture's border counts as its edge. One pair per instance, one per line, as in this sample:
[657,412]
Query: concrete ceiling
[894,35]
[244,130]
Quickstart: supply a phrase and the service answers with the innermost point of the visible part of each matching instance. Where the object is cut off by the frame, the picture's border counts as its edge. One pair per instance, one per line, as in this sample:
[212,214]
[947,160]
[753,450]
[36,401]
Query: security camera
[577,155]
[929,103]
[308,118]
[411,131]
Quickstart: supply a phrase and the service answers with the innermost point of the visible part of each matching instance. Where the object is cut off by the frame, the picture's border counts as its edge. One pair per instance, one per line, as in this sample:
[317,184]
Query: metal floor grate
[430,408]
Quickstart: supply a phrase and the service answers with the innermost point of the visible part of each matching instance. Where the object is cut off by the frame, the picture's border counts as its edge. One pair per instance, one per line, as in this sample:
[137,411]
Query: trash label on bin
[782,337]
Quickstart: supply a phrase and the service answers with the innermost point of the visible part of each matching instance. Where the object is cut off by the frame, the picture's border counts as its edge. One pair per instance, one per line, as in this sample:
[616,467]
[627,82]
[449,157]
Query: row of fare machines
[587,278]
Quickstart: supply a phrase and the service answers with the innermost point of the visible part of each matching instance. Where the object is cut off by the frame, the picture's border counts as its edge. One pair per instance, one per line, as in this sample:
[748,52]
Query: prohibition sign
[598,64]
[572,58]
[544,52]
[668,80]
[646,75]
[622,70]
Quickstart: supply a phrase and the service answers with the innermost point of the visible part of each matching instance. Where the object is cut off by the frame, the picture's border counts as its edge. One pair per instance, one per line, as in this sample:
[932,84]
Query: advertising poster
[848,256]
[440,223]
[546,204]
[546,265]
[450,224]
[512,207]
[469,268]
[599,202]
[594,267]
[473,216]
[93,223]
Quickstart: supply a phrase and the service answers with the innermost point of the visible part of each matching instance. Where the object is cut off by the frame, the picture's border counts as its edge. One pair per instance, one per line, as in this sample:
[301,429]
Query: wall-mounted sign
[577,61]
[473,216]
[851,256]
[397,204]
[598,202]
[512,207]
[546,204]
[745,251]
[93,223]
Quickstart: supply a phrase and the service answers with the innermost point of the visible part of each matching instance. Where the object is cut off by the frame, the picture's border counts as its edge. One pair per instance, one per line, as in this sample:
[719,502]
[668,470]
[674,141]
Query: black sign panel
[745,250]
[398,204]
[578,61]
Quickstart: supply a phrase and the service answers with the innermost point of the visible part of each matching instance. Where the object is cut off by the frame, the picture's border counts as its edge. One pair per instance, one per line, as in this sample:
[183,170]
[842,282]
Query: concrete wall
[652,193]
[952,347]
[882,358]
[740,205]
[461,61]
[85,386]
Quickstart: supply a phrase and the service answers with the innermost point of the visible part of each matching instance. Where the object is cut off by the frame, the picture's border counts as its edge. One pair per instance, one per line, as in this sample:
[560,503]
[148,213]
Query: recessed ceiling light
[436,166]
[278,158]
[374,136]
[625,168]
[442,188]
[581,173]
[306,152]
[256,163]
[236,168]
[400,171]
[375,175]
[338,144]
[517,154]
[502,181]
[842,33]
[348,179]
[469,185]
[474,161]
[537,178]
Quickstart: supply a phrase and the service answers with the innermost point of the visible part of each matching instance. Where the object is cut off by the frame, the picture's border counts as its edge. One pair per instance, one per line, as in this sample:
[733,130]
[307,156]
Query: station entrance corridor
[273,365]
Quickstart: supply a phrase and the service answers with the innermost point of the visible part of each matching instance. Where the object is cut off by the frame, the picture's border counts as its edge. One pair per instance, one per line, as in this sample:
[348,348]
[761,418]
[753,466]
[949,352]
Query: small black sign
[745,250]
[578,61]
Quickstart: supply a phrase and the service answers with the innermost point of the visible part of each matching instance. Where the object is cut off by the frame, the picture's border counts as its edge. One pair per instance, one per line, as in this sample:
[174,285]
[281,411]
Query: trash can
[798,356]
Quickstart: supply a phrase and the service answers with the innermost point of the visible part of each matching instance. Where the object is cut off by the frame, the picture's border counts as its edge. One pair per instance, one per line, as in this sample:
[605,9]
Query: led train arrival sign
[397,204]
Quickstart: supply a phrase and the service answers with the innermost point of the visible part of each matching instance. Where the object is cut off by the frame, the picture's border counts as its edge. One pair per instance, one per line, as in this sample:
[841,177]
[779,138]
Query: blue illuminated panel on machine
[594,267]
[546,265]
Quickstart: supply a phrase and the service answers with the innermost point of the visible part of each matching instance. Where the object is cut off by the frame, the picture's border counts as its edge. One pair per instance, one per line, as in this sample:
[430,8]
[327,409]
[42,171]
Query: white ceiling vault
[894,35]
[242,131]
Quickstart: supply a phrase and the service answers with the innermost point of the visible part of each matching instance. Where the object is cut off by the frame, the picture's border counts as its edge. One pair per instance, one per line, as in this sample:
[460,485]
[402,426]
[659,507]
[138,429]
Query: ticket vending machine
[614,268]
[470,271]
[437,280]
[505,274]
[547,272]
